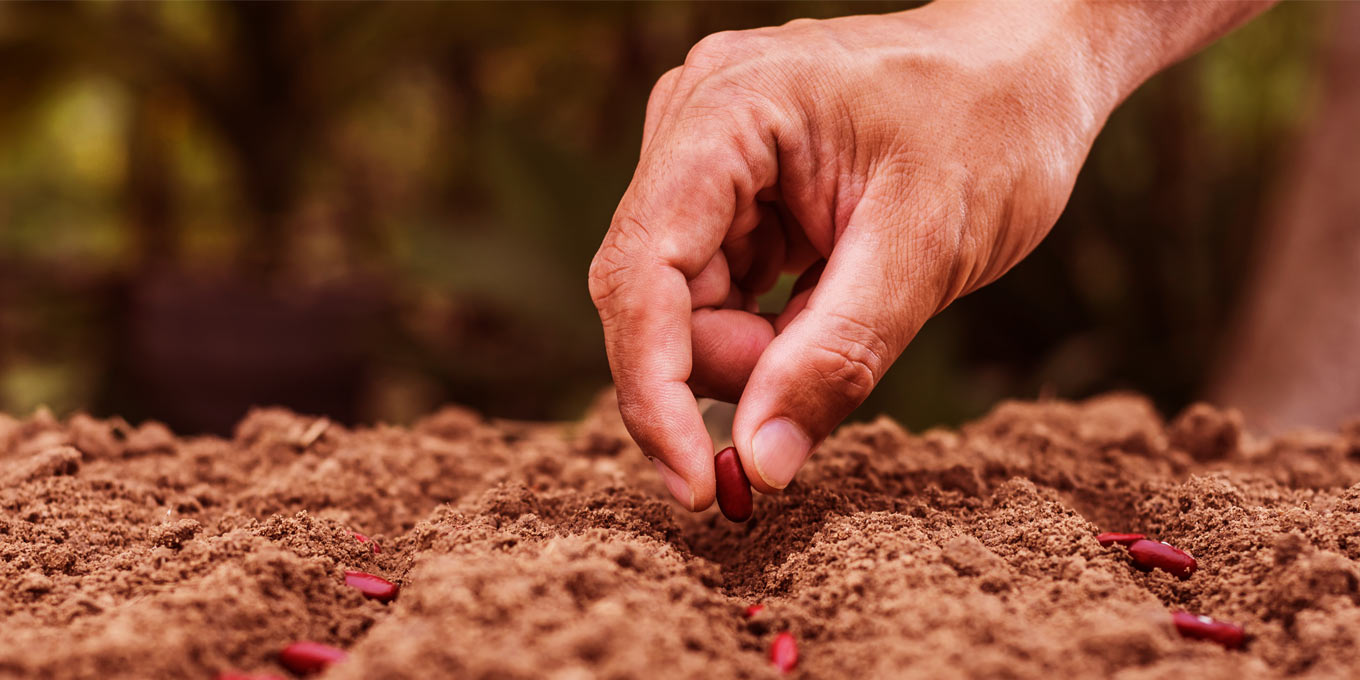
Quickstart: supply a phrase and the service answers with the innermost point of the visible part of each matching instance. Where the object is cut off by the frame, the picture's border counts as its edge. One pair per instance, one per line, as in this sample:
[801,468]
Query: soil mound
[532,551]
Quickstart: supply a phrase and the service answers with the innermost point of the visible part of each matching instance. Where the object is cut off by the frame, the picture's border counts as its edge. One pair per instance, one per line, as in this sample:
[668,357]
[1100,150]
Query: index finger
[645,312]
[690,190]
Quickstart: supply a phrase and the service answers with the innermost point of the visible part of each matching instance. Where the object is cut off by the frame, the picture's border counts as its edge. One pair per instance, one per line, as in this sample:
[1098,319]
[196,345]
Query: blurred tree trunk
[1294,359]
[271,120]
[259,92]
[149,185]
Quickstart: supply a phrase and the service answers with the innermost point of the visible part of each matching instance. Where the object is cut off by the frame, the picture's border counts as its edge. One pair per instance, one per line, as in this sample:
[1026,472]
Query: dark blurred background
[367,210]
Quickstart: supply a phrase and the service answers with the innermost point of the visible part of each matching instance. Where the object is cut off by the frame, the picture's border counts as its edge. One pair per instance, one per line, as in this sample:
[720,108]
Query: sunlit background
[368,210]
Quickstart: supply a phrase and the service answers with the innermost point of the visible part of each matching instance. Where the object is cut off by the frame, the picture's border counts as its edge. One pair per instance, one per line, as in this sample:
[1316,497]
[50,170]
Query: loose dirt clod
[364,539]
[1197,627]
[375,587]
[734,489]
[1108,539]
[1148,554]
[784,652]
[305,657]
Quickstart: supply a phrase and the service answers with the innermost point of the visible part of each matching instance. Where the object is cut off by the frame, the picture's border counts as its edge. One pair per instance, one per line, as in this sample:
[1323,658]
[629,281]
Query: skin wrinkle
[763,164]
[933,215]
[608,273]
[856,370]
[840,199]
[799,164]
[888,207]
[836,368]
[846,192]
[941,242]
[897,297]
[802,165]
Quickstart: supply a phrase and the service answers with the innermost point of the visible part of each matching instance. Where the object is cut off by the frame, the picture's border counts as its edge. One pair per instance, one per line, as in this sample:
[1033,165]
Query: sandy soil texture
[547,551]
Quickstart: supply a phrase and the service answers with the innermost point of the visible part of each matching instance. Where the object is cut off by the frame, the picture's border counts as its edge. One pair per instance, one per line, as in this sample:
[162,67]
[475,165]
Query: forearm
[1104,49]
[1129,42]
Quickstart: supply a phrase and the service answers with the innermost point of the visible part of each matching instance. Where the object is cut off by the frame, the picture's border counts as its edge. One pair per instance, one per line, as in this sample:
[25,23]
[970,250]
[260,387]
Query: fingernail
[779,449]
[674,484]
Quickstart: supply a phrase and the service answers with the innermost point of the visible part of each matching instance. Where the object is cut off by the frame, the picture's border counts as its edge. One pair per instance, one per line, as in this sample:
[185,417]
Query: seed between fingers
[734,490]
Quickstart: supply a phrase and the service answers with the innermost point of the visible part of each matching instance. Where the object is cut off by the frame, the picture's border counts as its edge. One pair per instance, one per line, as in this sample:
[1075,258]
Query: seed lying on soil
[1156,554]
[784,652]
[371,586]
[734,490]
[754,610]
[305,657]
[1197,627]
[364,539]
[1110,538]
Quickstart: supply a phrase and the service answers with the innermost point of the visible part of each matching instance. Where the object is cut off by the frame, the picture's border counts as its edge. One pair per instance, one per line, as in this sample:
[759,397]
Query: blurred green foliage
[460,162]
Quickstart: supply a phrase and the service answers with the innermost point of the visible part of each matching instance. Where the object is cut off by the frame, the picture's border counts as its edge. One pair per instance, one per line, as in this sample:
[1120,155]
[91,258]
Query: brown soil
[529,551]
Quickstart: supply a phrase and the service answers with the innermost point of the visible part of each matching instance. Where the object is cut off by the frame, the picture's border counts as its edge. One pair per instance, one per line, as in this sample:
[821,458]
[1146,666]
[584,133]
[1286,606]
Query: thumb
[863,311]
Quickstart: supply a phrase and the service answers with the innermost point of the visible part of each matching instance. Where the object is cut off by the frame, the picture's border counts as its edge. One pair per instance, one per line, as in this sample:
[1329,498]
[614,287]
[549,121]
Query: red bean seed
[754,610]
[1156,554]
[784,652]
[1110,538]
[305,657]
[364,539]
[371,586]
[734,490]
[1197,627]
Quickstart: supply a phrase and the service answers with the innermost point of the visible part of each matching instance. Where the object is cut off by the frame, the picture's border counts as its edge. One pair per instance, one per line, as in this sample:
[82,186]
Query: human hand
[916,155]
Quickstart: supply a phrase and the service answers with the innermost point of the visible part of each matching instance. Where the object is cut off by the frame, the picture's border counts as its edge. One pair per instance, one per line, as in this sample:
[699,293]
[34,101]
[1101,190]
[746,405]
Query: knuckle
[607,270]
[727,49]
[720,127]
[664,84]
[803,23]
[848,373]
[717,148]
[714,49]
[667,79]
[854,357]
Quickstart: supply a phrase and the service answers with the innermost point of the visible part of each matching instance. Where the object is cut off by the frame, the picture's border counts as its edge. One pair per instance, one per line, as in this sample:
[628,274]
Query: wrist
[1041,55]
[1121,44]
[1099,52]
